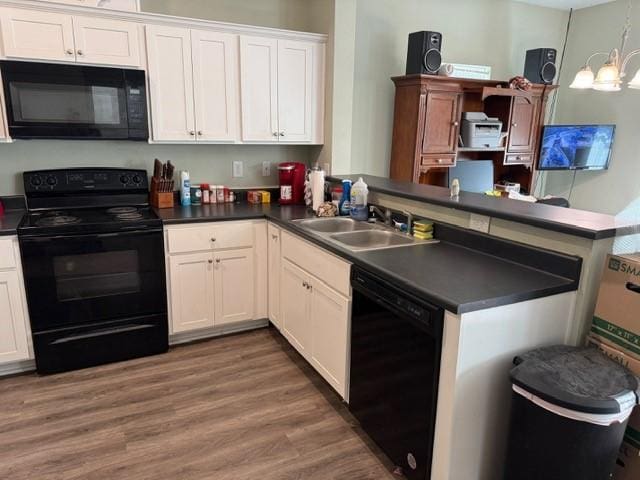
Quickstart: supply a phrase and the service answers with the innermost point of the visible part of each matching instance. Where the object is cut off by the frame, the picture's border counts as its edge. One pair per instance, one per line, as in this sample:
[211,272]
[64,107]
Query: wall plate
[266,169]
[238,168]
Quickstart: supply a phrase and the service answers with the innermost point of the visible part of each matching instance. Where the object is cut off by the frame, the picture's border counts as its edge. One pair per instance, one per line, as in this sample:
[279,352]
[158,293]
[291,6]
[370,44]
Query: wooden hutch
[427,120]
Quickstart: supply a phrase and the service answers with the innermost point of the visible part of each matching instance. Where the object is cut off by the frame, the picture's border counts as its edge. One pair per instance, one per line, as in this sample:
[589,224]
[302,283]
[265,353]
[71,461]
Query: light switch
[238,167]
[266,169]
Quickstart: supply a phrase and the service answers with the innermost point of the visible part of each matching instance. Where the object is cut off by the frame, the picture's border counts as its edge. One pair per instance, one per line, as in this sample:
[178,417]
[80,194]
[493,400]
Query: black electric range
[93,261]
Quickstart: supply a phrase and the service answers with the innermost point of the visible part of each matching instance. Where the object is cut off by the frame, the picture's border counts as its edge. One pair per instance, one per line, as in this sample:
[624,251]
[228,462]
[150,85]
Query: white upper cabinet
[259,86]
[37,35]
[109,42]
[295,97]
[215,85]
[171,84]
[282,90]
[193,85]
[34,35]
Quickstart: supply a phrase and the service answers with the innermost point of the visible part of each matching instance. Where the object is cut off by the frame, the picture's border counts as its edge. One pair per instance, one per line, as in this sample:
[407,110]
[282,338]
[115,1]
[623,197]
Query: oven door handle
[100,333]
[46,239]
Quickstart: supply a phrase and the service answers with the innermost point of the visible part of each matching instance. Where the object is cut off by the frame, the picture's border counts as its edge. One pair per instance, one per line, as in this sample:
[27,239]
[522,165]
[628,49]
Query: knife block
[160,199]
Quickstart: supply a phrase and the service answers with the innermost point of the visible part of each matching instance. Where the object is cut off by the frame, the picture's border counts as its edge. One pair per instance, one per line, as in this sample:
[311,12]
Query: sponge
[422,226]
[423,235]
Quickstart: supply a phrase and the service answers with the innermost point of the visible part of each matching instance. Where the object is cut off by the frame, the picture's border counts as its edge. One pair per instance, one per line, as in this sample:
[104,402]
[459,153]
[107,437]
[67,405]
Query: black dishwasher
[396,341]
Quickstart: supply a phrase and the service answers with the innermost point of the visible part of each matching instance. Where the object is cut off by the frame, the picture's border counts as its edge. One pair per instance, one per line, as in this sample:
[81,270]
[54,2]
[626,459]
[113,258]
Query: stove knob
[137,179]
[36,181]
[51,181]
[124,179]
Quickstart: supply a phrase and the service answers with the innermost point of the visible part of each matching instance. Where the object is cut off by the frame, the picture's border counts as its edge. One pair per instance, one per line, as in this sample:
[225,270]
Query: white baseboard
[21,366]
[186,337]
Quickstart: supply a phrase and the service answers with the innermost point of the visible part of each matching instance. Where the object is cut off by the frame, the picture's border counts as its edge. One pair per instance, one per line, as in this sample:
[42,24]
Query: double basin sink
[358,236]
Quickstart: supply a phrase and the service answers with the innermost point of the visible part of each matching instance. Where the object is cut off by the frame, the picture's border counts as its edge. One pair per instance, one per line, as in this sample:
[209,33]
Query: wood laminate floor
[242,407]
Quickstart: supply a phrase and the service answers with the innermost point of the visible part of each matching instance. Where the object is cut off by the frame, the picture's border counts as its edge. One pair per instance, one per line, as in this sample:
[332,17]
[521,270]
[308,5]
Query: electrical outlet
[237,168]
[266,169]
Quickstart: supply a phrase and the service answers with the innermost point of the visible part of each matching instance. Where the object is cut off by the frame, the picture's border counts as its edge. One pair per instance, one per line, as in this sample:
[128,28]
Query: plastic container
[204,187]
[185,188]
[196,195]
[359,196]
[569,413]
[344,207]
[213,195]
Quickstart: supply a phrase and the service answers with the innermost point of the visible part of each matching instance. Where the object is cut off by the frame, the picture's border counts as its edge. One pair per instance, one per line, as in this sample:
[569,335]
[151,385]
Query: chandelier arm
[633,53]
[595,55]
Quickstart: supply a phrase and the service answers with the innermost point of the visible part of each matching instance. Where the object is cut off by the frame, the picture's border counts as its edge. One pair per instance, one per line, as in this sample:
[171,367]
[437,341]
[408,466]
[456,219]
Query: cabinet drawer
[518,158]
[210,236]
[317,262]
[7,257]
[438,160]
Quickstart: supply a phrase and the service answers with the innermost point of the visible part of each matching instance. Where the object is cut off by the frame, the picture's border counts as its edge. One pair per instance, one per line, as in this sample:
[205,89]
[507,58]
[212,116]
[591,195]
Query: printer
[480,131]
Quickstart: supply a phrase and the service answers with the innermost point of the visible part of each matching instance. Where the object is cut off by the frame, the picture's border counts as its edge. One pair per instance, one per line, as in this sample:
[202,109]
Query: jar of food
[220,193]
[226,194]
[204,187]
[196,195]
[213,195]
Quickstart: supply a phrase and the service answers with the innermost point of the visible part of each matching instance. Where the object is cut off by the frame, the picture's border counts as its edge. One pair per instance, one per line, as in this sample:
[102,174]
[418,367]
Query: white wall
[617,190]
[487,32]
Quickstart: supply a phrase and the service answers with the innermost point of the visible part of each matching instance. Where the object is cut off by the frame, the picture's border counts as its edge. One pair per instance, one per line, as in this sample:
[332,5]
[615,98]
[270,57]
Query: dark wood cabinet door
[442,123]
[524,124]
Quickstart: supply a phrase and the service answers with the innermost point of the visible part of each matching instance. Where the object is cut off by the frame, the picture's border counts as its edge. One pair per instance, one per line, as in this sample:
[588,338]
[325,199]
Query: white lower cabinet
[314,317]
[274,274]
[14,330]
[214,274]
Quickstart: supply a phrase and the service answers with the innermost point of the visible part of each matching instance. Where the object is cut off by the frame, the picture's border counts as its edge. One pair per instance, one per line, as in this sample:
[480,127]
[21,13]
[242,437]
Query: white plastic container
[185,188]
[359,199]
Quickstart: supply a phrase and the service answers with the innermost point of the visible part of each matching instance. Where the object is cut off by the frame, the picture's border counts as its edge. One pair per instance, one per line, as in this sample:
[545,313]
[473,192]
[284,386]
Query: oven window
[53,103]
[93,275]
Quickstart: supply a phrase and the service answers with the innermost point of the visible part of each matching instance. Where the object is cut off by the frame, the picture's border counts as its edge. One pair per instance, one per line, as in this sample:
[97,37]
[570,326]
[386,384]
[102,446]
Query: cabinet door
[294,307]
[442,123]
[295,97]
[215,83]
[259,88]
[171,84]
[330,314]
[13,328]
[108,42]
[274,275]
[37,35]
[191,279]
[524,122]
[234,292]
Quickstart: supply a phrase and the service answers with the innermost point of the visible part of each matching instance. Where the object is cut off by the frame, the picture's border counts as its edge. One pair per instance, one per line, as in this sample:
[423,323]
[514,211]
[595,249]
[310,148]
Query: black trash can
[569,413]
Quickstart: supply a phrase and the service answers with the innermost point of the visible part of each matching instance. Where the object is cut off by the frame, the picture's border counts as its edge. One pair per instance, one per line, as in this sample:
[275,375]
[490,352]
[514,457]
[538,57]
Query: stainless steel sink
[334,225]
[373,239]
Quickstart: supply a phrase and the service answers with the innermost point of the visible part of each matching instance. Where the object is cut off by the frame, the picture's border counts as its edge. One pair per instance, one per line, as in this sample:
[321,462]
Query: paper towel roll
[317,188]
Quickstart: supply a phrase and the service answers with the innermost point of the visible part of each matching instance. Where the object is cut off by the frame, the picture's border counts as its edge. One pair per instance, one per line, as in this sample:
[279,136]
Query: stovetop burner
[128,217]
[57,220]
[122,210]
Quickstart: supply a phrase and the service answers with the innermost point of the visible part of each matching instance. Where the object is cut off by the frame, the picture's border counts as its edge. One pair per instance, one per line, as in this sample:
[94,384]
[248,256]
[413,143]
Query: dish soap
[359,195]
[344,206]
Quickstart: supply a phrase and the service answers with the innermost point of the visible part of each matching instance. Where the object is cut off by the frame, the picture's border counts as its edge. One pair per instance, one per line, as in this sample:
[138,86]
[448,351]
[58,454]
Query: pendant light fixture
[610,75]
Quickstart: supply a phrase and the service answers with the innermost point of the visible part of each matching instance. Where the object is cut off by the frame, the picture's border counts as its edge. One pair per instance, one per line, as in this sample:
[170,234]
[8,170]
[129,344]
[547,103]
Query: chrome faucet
[409,216]
[386,214]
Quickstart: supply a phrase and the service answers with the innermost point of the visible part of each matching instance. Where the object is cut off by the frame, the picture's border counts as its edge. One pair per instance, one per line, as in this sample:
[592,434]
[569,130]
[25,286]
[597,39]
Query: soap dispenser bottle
[359,197]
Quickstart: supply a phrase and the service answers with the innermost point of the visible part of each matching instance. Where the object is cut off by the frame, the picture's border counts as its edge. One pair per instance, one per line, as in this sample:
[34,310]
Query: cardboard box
[628,467]
[620,356]
[616,320]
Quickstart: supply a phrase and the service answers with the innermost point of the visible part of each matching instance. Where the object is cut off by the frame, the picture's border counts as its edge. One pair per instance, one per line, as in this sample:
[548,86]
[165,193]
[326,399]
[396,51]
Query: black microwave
[74,102]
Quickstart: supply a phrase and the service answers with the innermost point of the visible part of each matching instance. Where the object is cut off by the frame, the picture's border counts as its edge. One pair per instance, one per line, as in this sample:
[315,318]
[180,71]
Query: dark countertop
[580,223]
[448,274]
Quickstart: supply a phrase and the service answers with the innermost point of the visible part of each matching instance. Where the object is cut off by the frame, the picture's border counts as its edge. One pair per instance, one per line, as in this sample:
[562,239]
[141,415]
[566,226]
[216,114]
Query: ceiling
[565,4]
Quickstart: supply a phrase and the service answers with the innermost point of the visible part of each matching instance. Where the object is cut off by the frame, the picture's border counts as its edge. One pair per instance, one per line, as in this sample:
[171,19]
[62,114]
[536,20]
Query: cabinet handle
[80,52]
[213,239]
[275,134]
[192,133]
[305,285]
[309,287]
[455,124]
[210,261]
[440,160]
[69,51]
[199,133]
[282,134]
[218,260]
[275,237]
[514,125]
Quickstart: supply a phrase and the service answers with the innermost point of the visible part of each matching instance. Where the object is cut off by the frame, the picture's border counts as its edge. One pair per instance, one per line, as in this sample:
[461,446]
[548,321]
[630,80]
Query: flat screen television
[576,147]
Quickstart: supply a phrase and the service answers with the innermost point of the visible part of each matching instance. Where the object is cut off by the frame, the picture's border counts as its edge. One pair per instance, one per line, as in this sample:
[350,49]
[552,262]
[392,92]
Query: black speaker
[423,53]
[540,65]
